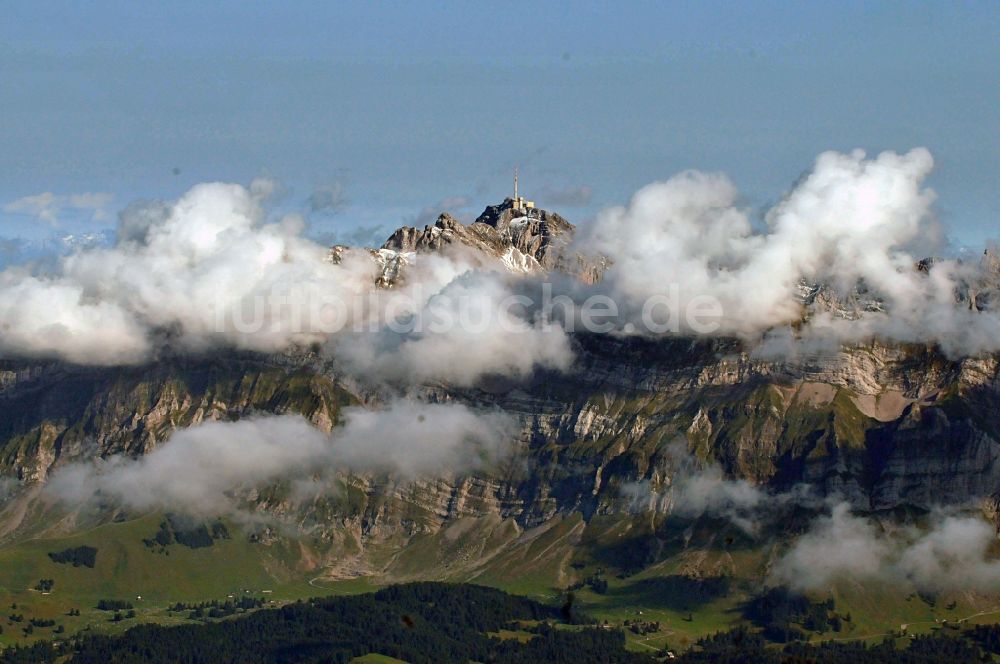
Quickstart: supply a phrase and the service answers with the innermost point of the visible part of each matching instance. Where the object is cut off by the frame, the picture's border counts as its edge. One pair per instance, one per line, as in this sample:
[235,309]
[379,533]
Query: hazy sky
[392,108]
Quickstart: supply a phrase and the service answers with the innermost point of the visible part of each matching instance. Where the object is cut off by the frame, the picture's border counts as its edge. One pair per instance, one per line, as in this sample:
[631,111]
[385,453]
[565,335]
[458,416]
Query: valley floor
[670,603]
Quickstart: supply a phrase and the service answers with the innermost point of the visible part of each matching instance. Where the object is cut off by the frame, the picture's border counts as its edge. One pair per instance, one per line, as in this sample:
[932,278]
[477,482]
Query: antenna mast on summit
[519,203]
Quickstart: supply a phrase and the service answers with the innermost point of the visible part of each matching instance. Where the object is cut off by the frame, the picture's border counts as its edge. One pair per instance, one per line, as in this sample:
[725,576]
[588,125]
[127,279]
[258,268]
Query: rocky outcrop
[520,240]
[534,232]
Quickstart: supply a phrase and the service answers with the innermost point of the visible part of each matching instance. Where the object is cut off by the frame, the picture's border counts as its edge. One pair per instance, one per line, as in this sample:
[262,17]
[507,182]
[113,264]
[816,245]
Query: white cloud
[692,489]
[470,328]
[47,205]
[212,270]
[954,553]
[199,470]
[43,206]
[192,275]
[851,220]
[951,552]
[838,546]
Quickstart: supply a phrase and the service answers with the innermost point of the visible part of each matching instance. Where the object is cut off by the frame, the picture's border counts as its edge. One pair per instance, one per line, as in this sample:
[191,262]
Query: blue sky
[394,108]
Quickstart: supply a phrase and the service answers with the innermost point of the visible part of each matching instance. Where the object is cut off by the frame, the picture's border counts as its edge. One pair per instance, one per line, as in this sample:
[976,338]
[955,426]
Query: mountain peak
[501,230]
[500,215]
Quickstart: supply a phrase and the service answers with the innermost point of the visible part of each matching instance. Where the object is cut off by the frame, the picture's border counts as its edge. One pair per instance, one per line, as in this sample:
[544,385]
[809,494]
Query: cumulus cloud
[852,220]
[199,470]
[47,205]
[951,552]
[474,326]
[421,440]
[838,546]
[185,270]
[954,553]
[212,270]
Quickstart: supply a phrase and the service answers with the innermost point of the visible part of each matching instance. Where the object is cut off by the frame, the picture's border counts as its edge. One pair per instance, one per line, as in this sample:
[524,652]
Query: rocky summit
[522,240]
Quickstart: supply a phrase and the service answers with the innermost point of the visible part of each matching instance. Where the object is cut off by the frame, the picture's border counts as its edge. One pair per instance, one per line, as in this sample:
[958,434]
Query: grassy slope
[127,569]
[540,563]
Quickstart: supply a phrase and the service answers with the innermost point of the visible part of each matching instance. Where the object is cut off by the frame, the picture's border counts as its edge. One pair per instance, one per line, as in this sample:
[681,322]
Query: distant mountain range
[14,251]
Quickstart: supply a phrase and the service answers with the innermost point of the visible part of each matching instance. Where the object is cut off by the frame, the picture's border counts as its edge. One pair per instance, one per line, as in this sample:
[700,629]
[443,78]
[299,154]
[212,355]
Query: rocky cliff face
[885,426]
[54,413]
